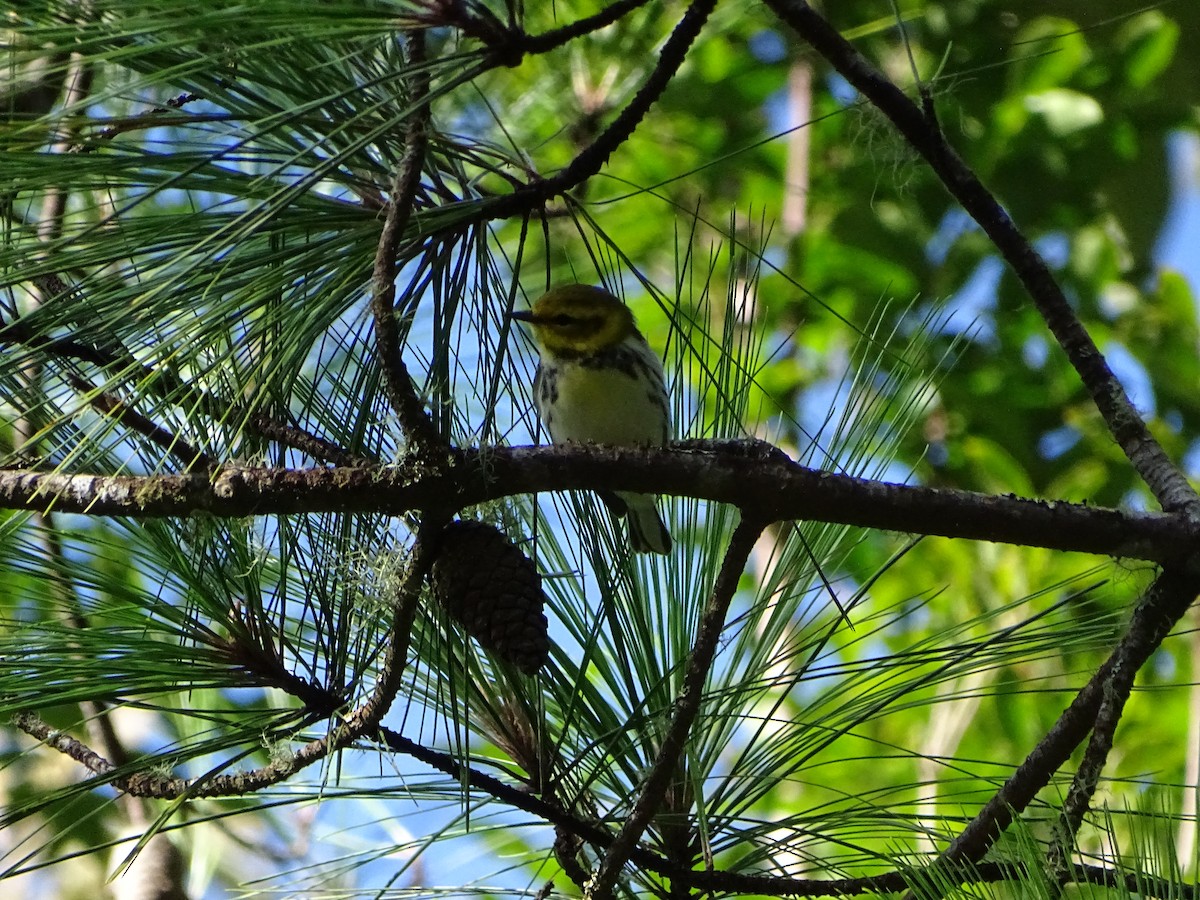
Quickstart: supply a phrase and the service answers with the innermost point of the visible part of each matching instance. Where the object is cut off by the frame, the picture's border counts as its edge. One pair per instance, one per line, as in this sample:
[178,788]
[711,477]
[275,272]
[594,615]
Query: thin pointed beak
[522,315]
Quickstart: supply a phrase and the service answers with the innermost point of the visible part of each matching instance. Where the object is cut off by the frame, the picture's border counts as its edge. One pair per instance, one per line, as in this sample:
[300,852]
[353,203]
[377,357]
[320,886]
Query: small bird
[599,382]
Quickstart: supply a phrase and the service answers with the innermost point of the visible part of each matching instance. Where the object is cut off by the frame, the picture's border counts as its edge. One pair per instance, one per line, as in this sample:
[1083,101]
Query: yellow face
[578,318]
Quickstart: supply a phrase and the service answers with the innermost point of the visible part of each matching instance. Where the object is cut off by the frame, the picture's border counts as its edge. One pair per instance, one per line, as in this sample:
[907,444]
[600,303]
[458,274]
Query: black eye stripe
[565,319]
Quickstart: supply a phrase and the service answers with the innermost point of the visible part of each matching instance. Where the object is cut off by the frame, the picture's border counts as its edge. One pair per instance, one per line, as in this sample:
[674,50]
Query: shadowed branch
[756,478]
[1165,480]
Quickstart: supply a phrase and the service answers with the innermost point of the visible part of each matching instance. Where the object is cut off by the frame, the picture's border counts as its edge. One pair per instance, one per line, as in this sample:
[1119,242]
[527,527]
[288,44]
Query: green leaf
[1149,41]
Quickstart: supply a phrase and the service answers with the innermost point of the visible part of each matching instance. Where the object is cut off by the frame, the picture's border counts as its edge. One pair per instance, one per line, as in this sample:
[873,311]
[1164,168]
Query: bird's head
[576,319]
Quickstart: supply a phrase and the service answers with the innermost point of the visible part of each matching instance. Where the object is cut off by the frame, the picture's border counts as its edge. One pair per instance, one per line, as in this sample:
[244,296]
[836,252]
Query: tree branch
[1163,605]
[713,881]
[687,705]
[298,439]
[176,445]
[1087,777]
[415,421]
[167,787]
[151,118]
[550,40]
[769,486]
[366,718]
[509,44]
[35,726]
[592,159]
[1166,481]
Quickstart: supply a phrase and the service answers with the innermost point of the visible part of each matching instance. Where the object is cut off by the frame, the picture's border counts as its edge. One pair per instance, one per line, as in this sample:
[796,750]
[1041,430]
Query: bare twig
[166,787]
[593,158]
[34,726]
[1087,776]
[366,718]
[306,442]
[415,421]
[687,705]
[151,118]
[1164,478]
[508,44]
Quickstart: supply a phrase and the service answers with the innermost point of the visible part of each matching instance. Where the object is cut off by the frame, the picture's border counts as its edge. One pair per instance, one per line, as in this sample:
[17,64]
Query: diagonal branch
[415,421]
[37,727]
[306,442]
[592,158]
[1163,605]
[166,787]
[508,43]
[120,411]
[1164,478]
[687,705]
[549,40]
[1116,692]
[366,719]
[362,721]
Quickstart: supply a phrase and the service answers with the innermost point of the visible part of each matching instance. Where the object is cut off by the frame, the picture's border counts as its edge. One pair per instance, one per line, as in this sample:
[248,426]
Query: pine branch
[366,719]
[36,727]
[767,486]
[592,158]
[151,118]
[558,37]
[166,787]
[163,383]
[1118,687]
[712,881]
[509,44]
[298,439]
[415,421]
[175,444]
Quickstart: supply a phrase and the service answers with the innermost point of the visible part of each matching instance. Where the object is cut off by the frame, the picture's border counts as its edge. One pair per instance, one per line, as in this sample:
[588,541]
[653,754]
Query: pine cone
[492,589]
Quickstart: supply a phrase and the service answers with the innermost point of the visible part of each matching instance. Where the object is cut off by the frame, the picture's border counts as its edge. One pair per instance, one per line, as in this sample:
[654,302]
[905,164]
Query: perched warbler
[599,382]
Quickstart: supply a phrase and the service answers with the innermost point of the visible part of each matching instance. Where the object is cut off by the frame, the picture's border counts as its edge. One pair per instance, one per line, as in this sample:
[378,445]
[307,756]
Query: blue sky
[1178,244]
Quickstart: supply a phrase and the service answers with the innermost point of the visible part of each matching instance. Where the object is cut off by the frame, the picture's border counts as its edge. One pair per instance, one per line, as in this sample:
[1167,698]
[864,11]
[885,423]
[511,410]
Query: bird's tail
[647,532]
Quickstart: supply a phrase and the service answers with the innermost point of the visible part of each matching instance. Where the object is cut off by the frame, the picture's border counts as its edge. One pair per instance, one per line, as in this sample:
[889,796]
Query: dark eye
[563,319]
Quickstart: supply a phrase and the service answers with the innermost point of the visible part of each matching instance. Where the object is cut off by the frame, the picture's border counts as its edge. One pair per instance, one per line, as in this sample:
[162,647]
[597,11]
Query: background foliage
[192,205]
